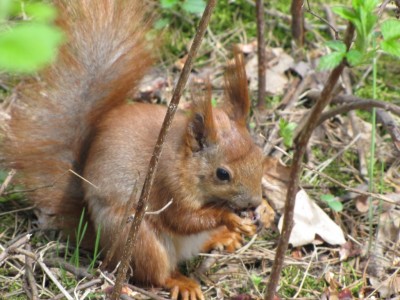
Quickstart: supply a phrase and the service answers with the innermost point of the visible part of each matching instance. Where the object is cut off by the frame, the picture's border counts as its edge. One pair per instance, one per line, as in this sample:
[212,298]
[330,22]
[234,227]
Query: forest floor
[347,236]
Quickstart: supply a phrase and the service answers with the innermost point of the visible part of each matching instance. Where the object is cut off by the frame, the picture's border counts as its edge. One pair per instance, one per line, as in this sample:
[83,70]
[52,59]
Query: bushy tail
[104,57]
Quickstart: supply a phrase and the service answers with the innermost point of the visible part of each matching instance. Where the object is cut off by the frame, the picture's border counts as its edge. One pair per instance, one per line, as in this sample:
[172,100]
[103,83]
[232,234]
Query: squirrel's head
[226,166]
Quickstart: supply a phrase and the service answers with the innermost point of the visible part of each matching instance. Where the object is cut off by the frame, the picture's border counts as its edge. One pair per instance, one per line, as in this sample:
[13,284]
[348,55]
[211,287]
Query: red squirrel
[76,117]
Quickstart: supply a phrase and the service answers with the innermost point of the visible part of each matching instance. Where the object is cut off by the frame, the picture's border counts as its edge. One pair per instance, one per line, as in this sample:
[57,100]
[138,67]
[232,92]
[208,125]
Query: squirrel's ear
[236,90]
[201,128]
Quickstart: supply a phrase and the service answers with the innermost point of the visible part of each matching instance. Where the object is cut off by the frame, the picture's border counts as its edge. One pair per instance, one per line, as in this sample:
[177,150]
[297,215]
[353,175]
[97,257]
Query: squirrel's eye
[223,174]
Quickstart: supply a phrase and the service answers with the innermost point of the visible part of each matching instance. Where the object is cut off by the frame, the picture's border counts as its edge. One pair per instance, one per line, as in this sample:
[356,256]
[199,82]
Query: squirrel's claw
[184,288]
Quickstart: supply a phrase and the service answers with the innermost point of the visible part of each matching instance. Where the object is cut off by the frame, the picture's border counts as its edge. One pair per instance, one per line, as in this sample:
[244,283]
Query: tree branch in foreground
[301,142]
[142,203]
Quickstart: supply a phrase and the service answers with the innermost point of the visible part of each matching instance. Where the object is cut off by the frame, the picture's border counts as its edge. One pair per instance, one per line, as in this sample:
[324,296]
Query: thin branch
[356,103]
[29,277]
[331,26]
[261,54]
[301,142]
[60,263]
[297,22]
[7,181]
[363,104]
[18,243]
[143,200]
[80,287]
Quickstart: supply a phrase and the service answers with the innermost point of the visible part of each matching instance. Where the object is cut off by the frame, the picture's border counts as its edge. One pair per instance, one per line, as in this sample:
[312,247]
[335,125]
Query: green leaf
[336,205]
[368,5]
[29,46]
[354,57]
[338,46]
[168,3]
[332,202]
[161,23]
[286,131]
[345,13]
[330,61]
[327,197]
[41,12]
[256,280]
[391,47]
[390,29]
[194,6]
[5,6]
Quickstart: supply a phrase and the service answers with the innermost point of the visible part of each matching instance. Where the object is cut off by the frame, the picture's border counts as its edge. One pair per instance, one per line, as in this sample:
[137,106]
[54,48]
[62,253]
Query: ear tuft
[236,89]
[201,130]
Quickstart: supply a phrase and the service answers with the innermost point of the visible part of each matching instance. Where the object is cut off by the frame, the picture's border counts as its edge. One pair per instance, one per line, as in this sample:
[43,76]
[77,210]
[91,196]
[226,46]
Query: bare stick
[348,99]
[261,54]
[143,200]
[18,243]
[80,287]
[30,279]
[301,142]
[7,181]
[298,22]
[55,281]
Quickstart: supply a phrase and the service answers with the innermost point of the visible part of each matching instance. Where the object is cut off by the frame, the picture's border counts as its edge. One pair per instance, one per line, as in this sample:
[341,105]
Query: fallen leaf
[276,80]
[310,220]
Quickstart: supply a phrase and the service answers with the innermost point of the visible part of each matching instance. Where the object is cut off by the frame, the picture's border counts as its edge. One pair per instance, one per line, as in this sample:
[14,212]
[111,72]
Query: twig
[79,287]
[7,181]
[261,54]
[18,243]
[305,273]
[157,212]
[288,101]
[297,22]
[331,26]
[41,263]
[331,21]
[361,104]
[78,272]
[142,203]
[383,6]
[301,142]
[84,179]
[30,279]
[390,125]
[146,293]
[17,210]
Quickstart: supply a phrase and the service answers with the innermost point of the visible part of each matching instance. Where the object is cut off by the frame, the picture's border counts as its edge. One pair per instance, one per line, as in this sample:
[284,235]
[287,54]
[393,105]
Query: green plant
[364,19]
[96,252]
[286,131]
[332,202]
[81,230]
[190,6]
[29,44]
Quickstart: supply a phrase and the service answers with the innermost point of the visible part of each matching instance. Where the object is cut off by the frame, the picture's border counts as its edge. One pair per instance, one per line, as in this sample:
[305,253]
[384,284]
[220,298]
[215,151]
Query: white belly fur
[184,247]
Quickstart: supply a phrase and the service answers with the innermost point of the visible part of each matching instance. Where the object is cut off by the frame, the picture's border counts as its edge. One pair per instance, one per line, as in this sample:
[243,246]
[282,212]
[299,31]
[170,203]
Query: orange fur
[77,118]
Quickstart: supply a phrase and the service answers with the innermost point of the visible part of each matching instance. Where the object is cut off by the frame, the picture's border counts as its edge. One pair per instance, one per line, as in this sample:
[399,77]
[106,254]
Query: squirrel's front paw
[183,288]
[222,239]
[238,224]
